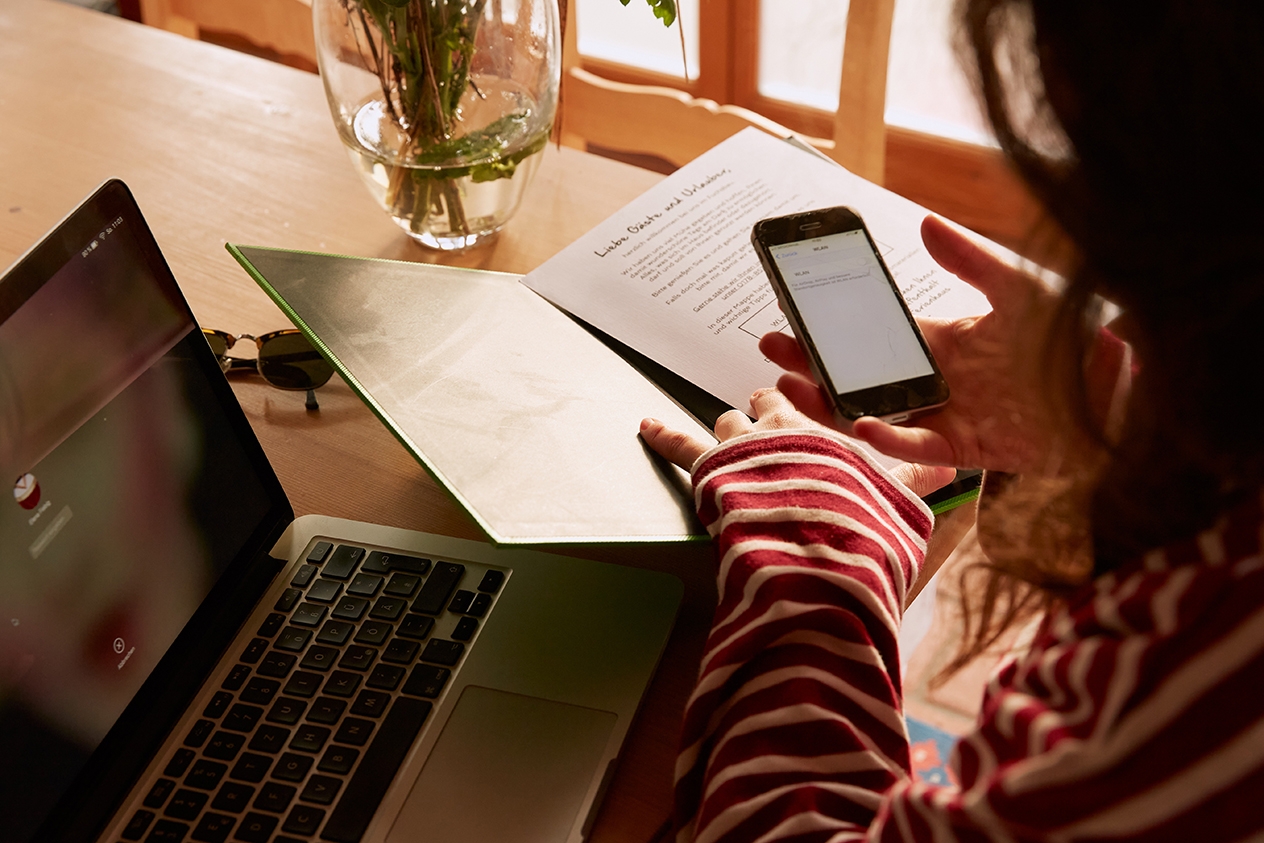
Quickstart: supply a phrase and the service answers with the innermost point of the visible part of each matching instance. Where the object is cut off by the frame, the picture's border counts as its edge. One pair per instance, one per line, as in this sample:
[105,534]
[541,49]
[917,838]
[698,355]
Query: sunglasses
[285,359]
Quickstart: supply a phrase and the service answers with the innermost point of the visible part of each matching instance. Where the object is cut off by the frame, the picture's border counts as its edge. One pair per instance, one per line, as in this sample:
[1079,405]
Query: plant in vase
[444,105]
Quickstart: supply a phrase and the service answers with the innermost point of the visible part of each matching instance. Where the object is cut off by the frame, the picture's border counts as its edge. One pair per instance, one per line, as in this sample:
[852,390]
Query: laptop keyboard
[308,729]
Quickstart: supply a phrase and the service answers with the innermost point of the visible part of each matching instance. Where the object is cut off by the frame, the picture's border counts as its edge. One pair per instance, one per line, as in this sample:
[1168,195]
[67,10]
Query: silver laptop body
[181,659]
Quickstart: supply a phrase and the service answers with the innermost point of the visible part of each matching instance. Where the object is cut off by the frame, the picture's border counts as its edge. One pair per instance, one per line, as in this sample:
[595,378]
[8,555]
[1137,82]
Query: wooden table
[218,146]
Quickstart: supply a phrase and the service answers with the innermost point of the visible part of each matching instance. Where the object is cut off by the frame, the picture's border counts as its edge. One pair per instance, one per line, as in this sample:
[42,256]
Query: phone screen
[850,310]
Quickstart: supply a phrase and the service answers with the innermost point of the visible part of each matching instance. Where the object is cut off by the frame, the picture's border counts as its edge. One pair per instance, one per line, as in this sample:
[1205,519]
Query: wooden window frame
[970,184]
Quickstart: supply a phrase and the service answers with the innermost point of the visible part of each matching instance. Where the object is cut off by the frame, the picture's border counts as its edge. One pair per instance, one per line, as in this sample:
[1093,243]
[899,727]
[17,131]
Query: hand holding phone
[862,344]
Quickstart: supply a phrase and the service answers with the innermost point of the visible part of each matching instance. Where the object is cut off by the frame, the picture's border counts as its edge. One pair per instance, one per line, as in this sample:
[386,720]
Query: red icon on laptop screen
[27,491]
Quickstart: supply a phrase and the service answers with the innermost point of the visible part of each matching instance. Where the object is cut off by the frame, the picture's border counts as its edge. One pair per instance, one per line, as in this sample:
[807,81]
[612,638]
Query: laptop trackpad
[506,767]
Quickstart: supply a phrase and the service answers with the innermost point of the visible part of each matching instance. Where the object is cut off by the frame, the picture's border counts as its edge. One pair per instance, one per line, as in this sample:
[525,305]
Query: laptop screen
[131,495]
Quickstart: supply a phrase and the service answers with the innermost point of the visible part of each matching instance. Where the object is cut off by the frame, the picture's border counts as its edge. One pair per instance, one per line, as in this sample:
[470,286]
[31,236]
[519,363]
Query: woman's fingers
[970,262]
[924,479]
[733,423]
[784,350]
[676,447]
[912,444]
[807,398]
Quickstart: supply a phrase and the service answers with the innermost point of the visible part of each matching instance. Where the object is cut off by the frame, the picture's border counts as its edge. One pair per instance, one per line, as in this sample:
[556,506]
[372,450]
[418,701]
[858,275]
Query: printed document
[673,273]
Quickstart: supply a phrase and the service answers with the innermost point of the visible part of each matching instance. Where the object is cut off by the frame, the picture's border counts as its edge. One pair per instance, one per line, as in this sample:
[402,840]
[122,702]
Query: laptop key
[309,614]
[158,794]
[350,608]
[224,746]
[218,705]
[365,585]
[135,828]
[319,658]
[233,797]
[335,632]
[186,804]
[482,602]
[242,717]
[343,562]
[338,759]
[386,677]
[354,731]
[370,704]
[260,691]
[461,602]
[271,625]
[167,831]
[490,583]
[293,638]
[320,552]
[304,819]
[381,563]
[389,608]
[400,651]
[441,651]
[214,828]
[435,591]
[403,585]
[277,664]
[321,790]
[303,576]
[310,738]
[326,710]
[324,591]
[255,828]
[236,678]
[288,600]
[199,733]
[254,650]
[342,684]
[373,632]
[249,768]
[426,681]
[416,626]
[274,798]
[373,777]
[292,767]
[303,684]
[465,629]
[358,658]
[286,711]
[269,739]
[205,775]
[179,762]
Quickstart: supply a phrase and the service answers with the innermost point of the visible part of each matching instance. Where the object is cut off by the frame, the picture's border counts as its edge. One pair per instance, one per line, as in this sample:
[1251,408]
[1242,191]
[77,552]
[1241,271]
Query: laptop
[183,660]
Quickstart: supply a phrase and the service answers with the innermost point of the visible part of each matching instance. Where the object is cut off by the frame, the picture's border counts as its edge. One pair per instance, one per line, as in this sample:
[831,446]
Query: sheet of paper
[673,273]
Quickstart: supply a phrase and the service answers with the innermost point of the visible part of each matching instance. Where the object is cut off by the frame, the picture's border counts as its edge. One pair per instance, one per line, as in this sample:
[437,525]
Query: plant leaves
[664,10]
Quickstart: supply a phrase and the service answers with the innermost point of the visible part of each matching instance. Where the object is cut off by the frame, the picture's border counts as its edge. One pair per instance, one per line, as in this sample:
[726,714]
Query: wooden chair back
[672,125]
[276,29]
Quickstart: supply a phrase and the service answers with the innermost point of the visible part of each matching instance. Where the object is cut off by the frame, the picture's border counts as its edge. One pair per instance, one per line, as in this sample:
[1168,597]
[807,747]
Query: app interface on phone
[850,311]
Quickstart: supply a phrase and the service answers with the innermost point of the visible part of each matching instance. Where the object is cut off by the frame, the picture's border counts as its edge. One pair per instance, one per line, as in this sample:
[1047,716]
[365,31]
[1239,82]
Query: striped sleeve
[794,728]
[1135,713]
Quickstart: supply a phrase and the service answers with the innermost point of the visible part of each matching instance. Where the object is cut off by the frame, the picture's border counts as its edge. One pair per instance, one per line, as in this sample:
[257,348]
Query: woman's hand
[998,415]
[772,412]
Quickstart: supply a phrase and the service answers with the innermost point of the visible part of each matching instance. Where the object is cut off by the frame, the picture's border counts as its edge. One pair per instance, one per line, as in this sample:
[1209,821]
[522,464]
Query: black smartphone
[838,295]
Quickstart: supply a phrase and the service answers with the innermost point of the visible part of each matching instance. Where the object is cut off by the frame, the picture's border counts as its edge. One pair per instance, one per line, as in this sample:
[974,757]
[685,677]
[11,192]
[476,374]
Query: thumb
[924,479]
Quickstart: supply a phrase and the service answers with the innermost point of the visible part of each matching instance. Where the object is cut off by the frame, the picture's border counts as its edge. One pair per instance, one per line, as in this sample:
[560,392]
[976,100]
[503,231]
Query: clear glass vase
[443,105]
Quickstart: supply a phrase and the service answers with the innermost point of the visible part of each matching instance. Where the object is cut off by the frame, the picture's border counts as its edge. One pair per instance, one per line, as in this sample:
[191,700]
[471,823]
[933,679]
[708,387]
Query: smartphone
[861,341]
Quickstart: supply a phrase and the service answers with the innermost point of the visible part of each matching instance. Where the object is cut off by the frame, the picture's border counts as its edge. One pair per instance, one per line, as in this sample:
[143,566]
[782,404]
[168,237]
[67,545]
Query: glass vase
[443,105]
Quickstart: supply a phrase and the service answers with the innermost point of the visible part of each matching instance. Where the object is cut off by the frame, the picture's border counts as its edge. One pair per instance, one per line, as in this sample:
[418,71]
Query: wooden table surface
[218,146]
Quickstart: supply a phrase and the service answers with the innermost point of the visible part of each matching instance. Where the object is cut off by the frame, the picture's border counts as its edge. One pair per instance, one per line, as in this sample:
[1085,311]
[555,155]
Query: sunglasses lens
[288,360]
[217,342]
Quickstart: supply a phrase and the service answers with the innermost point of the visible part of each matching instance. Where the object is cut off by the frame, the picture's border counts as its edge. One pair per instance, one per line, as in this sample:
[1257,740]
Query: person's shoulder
[1210,578]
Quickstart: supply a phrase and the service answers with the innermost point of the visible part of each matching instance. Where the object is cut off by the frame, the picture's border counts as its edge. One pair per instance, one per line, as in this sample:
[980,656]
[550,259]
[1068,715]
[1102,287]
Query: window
[783,58]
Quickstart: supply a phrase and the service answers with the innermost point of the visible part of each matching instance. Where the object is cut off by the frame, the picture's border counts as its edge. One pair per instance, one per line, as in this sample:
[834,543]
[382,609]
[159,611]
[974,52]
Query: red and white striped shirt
[1137,711]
